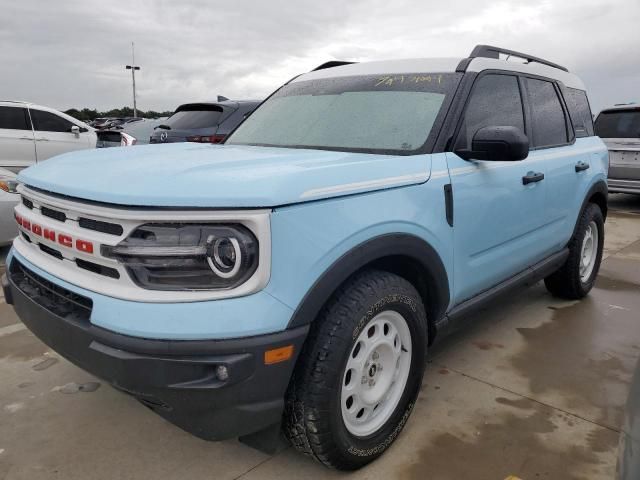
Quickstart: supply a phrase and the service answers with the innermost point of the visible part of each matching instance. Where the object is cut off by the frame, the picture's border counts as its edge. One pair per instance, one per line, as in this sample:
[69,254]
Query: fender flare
[393,244]
[598,187]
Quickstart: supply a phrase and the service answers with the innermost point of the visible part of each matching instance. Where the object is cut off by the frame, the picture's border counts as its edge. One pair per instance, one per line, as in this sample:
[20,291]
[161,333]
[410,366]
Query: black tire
[313,419]
[566,282]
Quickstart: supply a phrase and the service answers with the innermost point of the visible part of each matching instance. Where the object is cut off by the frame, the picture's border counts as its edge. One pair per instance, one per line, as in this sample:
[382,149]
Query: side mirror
[75,130]
[497,143]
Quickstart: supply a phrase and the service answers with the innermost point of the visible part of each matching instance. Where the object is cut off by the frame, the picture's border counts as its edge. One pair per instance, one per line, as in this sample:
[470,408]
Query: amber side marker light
[277,355]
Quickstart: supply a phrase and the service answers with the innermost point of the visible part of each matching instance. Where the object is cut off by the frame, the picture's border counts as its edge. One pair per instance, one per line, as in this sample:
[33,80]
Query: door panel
[566,163]
[53,135]
[498,215]
[566,188]
[498,221]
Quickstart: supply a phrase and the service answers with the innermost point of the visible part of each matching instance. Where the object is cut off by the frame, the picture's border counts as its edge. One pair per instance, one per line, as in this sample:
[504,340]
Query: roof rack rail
[487,51]
[331,64]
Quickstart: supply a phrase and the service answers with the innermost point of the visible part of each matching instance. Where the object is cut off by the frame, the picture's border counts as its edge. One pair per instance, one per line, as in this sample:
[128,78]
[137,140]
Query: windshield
[373,114]
[196,116]
[618,124]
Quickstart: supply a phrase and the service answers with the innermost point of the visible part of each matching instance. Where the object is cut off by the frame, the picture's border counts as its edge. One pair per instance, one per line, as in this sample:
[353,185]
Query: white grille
[57,245]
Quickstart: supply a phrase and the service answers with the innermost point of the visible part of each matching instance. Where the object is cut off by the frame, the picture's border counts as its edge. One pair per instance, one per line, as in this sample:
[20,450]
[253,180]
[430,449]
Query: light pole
[133,67]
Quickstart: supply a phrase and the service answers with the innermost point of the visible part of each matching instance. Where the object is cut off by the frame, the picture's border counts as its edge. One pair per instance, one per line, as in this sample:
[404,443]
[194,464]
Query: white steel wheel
[589,252]
[376,373]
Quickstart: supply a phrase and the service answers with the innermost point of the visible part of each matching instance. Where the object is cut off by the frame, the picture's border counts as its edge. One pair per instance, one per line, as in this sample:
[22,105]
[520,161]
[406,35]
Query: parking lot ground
[534,387]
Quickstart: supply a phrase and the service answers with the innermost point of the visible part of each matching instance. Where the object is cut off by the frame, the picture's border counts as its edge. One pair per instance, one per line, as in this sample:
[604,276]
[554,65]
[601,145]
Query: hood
[204,175]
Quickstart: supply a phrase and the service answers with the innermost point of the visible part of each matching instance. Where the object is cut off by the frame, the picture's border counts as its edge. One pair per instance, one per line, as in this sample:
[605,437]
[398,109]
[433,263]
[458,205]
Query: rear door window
[547,115]
[495,101]
[618,124]
[13,118]
[49,122]
[195,116]
[580,112]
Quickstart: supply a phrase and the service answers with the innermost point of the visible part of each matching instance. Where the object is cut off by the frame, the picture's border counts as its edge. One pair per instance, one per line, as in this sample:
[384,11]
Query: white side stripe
[424,176]
[490,165]
[439,174]
[379,183]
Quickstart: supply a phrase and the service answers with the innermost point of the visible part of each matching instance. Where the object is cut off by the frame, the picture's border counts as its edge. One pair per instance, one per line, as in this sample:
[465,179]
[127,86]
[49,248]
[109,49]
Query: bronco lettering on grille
[68,241]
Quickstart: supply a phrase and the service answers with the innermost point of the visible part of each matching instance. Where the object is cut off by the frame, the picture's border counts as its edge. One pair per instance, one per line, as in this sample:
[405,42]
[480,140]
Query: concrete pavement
[533,387]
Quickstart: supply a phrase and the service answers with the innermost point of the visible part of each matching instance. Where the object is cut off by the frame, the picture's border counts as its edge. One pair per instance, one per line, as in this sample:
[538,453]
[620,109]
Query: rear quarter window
[580,112]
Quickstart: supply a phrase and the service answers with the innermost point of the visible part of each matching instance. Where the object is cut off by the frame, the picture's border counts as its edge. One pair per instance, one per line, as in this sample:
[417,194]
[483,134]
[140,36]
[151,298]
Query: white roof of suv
[482,58]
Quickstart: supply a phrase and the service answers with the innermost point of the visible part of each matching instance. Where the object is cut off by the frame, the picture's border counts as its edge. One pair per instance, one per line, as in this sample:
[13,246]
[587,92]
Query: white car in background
[31,133]
[9,198]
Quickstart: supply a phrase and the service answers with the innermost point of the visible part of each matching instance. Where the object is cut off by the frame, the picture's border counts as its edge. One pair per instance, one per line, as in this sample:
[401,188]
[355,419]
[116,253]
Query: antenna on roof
[222,99]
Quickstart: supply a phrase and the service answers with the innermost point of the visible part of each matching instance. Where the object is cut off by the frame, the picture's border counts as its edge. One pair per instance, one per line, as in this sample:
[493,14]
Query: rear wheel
[359,373]
[576,277]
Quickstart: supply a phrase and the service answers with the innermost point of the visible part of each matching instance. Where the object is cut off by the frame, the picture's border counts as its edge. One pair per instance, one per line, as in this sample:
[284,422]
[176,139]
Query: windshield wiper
[164,127]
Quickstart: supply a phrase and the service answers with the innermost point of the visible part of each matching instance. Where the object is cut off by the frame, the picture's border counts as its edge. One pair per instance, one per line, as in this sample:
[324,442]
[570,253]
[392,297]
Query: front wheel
[576,277]
[359,373]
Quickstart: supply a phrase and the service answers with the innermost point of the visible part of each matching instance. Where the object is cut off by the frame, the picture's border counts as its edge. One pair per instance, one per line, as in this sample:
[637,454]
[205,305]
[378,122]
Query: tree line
[88,114]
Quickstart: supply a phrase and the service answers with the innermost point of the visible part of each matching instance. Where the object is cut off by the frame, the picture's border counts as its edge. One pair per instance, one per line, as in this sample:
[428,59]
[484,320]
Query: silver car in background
[619,127]
[9,198]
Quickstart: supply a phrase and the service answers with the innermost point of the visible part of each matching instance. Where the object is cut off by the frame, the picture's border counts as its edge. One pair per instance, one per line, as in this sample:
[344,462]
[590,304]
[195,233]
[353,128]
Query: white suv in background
[31,133]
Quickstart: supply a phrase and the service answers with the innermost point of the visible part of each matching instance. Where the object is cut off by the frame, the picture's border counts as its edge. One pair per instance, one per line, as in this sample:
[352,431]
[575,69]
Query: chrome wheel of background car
[376,373]
[589,251]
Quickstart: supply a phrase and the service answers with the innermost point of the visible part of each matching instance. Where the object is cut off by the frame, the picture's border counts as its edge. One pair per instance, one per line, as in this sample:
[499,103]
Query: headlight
[8,185]
[188,256]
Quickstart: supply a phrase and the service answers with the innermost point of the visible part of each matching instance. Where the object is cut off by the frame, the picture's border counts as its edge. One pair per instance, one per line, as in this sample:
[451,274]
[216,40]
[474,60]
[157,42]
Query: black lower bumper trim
[176,379]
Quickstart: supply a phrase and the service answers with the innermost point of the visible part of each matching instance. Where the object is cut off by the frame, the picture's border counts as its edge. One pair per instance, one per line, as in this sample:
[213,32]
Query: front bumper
[175,378]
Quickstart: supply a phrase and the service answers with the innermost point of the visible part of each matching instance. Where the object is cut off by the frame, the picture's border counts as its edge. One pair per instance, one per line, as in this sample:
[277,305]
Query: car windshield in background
[373,114]
[195,116]
[618,124]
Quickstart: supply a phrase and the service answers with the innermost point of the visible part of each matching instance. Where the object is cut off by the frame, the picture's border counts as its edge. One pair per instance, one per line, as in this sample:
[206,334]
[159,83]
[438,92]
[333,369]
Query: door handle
[42,139]
[580,166]
[532,178]
[27,138]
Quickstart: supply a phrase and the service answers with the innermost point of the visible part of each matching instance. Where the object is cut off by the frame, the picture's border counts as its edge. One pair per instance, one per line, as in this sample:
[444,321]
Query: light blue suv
[292,279]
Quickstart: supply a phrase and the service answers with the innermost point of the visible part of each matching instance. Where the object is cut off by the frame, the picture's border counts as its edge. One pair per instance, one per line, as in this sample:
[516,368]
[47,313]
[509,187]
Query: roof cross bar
[487,51]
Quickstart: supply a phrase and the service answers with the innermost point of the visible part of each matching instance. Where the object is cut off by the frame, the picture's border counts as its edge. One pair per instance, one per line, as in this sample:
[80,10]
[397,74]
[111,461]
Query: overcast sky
[72,53]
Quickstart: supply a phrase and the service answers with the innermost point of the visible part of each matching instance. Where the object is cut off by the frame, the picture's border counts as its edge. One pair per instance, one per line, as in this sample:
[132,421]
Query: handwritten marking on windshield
[389,80]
